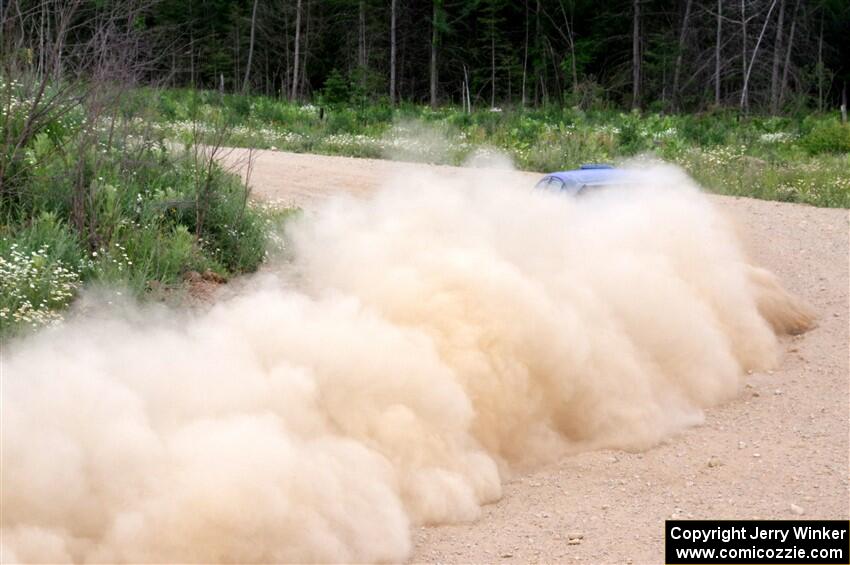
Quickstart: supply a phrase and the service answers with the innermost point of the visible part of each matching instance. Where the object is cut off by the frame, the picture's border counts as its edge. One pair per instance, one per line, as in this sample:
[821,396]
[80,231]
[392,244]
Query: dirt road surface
[782,442]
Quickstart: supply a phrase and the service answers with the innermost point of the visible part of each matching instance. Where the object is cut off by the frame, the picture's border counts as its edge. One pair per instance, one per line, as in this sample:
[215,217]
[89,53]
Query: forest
[767,56]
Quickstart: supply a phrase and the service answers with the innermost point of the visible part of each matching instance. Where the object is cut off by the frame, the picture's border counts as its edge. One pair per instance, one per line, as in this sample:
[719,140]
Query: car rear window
[544,182]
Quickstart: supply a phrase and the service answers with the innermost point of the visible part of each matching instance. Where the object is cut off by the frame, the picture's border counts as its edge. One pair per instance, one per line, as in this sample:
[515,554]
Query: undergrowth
[109,202]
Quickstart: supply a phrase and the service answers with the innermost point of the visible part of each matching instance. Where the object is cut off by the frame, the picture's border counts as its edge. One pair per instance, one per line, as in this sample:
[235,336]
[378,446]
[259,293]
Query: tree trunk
[525,58]
[544,94]
[250,47]
[305,53]
[744,99]
[266,74]
[636,54]
[555,70]
[820,65]
[192,55]
[41,34]
[492,57]
[60,48]
[571,43]
[435,37]
[574,67]
[777,58]
[755,53]
[465,94]
[236,70]
[401,64]
[393,7]
[717,47]
[361,36]
[786,68]
[294,92]
[683,32]
[285,81]
[538,82]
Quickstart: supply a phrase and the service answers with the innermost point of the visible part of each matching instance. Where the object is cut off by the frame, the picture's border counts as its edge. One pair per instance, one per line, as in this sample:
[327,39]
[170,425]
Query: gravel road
[782,442]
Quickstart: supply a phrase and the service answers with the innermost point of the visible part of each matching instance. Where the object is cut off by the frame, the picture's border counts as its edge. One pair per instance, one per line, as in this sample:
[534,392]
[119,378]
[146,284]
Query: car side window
[555,184]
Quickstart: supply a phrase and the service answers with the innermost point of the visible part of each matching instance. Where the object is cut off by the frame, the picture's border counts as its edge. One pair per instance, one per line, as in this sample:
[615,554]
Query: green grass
[798,159]
[140,223]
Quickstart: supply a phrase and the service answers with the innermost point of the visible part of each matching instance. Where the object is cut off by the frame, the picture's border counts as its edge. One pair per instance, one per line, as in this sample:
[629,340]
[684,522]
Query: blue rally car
[587,176]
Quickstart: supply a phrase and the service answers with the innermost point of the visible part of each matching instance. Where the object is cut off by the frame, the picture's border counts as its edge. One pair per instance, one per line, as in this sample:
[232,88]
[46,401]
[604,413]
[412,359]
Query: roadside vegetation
[108,178]
[90,195]
[127,210]
[135,199]
[794,159]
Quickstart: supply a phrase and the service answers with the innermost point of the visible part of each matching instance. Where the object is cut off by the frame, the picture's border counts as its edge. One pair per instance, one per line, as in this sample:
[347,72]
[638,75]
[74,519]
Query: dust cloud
[421,345]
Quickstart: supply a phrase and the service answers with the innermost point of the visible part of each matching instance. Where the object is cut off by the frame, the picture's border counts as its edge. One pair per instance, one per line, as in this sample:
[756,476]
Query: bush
[828,137]
[705,131]
[40,268]
[632,140]
[335,92]
[138,223]
[233,237]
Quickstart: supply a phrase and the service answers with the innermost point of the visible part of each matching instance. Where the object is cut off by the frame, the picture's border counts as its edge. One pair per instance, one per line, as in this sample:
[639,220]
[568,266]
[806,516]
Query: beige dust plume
[424,342]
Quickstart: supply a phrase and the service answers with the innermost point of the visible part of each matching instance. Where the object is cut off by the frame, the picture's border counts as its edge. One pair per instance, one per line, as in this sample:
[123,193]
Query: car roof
[591,174]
